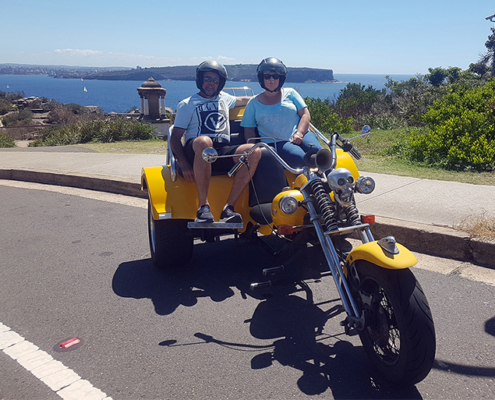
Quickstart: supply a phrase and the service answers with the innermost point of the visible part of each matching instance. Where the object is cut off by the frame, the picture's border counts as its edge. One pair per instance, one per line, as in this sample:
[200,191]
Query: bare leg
[243,176]
[202,169]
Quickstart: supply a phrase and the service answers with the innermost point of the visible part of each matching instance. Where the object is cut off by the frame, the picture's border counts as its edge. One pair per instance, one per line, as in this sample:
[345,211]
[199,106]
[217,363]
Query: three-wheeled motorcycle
[311,207]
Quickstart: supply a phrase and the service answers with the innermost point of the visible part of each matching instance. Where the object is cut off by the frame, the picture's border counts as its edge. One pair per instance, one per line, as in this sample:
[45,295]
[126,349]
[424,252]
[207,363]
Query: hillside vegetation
[444,119]
[239,72]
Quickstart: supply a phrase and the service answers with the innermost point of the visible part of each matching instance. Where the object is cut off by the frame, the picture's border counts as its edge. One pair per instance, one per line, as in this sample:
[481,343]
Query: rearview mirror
[366,131]
[210,155]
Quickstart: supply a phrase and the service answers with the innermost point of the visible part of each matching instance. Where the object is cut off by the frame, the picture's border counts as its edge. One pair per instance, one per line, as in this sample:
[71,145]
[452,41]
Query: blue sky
[367,37]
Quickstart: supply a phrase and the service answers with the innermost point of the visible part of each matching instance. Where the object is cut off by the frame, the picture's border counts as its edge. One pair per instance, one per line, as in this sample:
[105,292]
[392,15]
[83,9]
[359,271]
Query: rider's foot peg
[274,270]
[261,285]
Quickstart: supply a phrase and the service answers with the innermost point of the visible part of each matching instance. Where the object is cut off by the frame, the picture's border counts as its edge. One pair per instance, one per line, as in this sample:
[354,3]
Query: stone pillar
[162,108]
[152,92]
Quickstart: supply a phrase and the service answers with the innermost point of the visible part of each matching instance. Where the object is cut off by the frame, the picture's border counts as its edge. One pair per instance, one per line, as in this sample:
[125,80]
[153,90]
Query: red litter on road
[69,343]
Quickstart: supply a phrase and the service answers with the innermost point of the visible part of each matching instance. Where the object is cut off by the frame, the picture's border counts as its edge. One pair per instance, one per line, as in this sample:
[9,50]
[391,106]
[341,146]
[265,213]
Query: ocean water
[120,96]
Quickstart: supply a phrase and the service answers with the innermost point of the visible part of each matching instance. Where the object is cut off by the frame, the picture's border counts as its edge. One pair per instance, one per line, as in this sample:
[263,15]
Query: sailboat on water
[85,90]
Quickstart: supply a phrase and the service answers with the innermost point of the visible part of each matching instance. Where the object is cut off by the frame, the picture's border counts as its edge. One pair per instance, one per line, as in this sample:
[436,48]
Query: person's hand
[297,138]
[187,171]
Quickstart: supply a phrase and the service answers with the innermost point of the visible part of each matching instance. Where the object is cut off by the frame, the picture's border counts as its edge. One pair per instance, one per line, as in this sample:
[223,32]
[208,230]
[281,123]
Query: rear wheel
[399,335]
[171,242]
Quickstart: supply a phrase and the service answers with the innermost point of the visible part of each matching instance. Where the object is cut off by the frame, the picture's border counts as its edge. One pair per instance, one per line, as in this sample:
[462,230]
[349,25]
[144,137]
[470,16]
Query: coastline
[120,96]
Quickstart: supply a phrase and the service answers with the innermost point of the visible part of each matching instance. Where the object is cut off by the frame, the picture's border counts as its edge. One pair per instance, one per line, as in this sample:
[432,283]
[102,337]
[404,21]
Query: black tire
[399,335]
[171,242]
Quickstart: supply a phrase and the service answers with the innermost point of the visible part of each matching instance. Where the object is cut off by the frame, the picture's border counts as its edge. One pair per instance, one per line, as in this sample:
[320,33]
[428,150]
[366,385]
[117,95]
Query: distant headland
[236,73]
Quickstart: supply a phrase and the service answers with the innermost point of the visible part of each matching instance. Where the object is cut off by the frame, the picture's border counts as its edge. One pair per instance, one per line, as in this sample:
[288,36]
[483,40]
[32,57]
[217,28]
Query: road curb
[437,241]
[427,239]
[102,184]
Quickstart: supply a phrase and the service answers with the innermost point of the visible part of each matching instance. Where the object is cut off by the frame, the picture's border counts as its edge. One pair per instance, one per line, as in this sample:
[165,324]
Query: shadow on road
[296,328]
[214,269]
[293,325]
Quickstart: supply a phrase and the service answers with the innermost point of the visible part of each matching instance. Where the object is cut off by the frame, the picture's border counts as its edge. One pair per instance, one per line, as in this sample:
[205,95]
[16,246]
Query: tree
[356,99]
[489,58]
[436,76]
[480,69]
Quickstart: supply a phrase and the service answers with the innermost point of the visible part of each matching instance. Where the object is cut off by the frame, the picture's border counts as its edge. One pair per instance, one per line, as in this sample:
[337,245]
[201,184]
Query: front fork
[355,318]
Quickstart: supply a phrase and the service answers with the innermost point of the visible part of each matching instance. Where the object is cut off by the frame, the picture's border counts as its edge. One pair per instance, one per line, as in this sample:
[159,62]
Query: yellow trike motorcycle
[309,208]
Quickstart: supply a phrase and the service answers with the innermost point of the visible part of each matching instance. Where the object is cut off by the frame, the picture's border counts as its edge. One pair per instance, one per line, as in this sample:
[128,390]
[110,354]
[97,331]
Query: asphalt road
[74,264]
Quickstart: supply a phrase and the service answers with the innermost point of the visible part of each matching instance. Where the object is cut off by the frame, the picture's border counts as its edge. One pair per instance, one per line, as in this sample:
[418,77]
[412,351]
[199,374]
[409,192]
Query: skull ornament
[341,182]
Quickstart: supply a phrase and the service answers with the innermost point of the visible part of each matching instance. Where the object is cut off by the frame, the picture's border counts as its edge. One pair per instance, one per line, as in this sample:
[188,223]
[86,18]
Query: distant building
[153,106]
[152,100]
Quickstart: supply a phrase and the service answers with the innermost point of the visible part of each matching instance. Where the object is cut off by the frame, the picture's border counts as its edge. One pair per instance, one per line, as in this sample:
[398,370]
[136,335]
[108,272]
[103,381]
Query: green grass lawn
[156,146]
[375,159]
[373,151]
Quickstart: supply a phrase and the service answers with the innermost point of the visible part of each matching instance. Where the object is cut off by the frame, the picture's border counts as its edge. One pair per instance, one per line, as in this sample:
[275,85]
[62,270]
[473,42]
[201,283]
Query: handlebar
[328,160]
[243,159]
[347,146]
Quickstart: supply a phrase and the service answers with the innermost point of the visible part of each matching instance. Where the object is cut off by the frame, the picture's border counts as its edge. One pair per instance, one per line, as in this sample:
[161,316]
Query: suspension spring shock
[352,214]
[325,205]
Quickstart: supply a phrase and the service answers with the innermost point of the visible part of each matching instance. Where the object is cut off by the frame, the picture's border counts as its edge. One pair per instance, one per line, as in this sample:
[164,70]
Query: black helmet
[211,66]
[271,64]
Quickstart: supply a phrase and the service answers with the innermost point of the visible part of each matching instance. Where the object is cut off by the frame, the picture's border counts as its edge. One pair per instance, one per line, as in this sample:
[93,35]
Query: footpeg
[261,285]
[214,225]
[273,271]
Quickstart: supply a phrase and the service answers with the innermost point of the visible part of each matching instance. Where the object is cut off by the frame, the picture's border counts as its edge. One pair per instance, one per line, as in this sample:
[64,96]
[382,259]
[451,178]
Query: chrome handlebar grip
[355,153]
[236,167]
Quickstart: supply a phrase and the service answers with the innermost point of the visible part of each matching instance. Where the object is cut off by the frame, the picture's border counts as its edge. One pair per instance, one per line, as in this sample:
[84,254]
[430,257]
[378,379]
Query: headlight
[365,185]
[288,205]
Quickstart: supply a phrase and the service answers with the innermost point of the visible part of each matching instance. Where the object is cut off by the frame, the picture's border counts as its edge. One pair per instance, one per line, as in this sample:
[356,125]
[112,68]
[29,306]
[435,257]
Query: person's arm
[249,133]
[241,101]
[178,150]
[249,120]
[302,127]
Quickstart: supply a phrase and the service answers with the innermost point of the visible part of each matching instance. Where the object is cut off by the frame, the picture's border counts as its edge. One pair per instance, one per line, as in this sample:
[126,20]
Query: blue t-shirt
[210,117]
[278,121]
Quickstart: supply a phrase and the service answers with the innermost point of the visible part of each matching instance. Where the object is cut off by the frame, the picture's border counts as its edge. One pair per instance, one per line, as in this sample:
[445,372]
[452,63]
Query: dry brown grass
[478,226]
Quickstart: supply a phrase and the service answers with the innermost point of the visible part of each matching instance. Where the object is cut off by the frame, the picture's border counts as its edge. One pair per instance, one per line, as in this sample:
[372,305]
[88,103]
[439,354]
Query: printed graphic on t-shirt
[213,120]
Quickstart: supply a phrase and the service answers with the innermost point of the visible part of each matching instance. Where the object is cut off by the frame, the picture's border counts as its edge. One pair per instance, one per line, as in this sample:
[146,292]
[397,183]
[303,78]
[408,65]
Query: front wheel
[171,242]
[399,335]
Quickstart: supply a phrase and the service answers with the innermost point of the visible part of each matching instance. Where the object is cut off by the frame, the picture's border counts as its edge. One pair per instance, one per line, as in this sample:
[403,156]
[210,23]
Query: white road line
[61,379]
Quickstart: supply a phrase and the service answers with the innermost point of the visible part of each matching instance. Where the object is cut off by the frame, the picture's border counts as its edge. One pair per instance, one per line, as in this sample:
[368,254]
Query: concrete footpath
[420,213]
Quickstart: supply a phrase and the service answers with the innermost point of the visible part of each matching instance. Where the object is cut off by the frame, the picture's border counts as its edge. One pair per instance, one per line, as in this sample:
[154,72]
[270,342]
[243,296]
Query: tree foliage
[461,130]
[326,120]
[489,58]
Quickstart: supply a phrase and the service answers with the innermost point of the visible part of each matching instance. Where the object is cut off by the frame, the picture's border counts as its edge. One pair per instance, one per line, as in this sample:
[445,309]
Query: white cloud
[77,52]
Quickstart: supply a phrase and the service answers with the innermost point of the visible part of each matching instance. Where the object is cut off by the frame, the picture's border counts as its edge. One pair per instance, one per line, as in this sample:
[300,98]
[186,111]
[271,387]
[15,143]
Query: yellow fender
[373,253]
[179,199]
[169,199]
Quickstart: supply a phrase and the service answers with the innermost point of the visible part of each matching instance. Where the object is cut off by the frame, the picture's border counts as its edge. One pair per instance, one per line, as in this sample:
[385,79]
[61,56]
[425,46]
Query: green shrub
[461,130]
[6,141]
[324,119]
[23,117]
[5,106]
[97,130]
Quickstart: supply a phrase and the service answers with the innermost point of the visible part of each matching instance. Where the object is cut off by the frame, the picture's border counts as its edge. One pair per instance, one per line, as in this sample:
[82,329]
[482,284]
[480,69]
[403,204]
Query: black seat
[268,181]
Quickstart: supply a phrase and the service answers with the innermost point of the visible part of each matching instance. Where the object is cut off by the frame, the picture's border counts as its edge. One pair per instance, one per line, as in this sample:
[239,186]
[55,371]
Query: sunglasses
[210,79]
[268,76]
